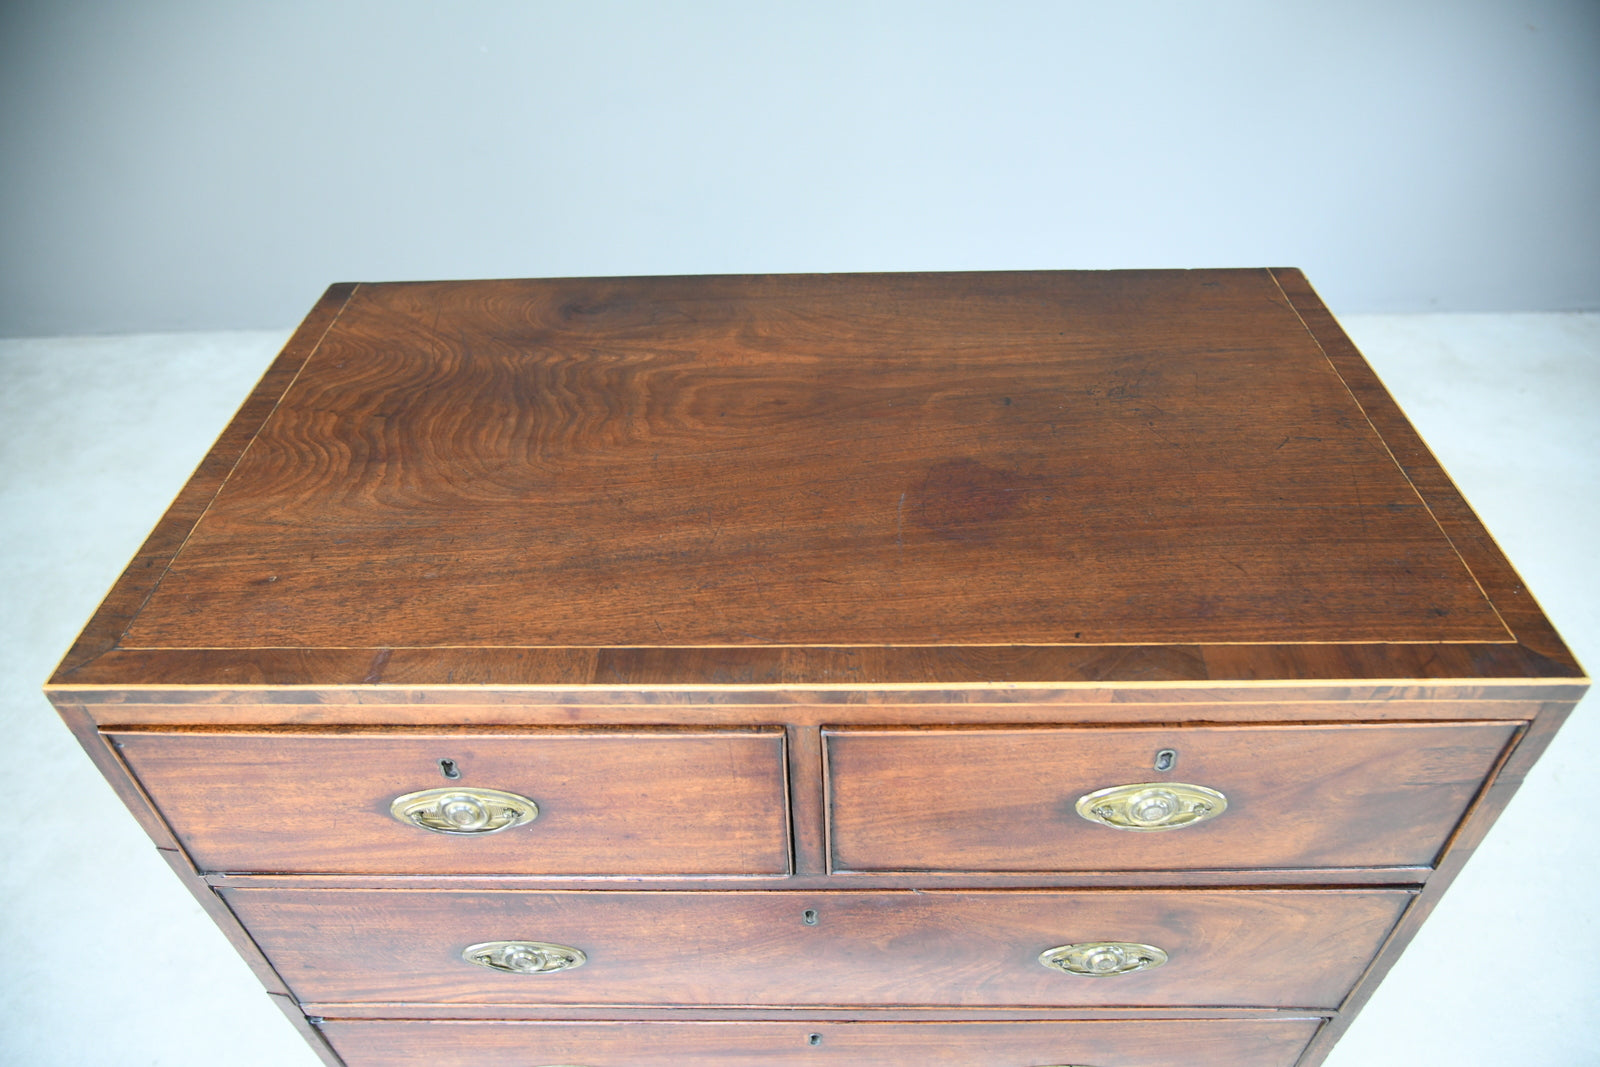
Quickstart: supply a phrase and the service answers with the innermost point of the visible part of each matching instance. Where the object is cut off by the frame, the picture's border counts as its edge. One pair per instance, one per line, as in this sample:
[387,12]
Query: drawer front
[1091,1043]
[633,803]
[1296,796]
[1247,948]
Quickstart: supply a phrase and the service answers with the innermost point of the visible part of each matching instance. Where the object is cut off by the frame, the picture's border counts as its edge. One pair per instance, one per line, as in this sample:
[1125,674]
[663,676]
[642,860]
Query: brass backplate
[1102,959]
[464,810]
[525,957]
[1152,806]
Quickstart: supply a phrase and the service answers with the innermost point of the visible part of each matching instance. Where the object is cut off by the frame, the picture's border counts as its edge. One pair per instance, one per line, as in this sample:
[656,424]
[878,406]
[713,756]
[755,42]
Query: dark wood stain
[965,500]
[697,802]
[1135,1043]
[819,596]
[1264,948]
[1298,796]
[921,459]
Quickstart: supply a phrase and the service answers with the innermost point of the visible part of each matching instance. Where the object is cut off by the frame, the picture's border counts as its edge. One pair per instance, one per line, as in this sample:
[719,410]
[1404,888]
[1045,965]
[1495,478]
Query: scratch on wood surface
[899,523]
[379,662]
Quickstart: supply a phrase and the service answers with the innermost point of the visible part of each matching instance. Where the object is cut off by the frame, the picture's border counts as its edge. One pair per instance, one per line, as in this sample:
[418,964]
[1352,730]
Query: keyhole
[448,768]
[809,916]
[814,1039]
[1166,759]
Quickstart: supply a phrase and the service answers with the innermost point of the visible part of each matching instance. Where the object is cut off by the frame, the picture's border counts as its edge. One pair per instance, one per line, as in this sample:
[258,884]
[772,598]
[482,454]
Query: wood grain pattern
[1160,1043]
[1508,779]
[1039,478]
[1248,878]
[1298,796]
[1492,570]
[144,573]
[594,1013]
[826,592]
[665,802]
[260,709]
[922,459]
[988,672]
[1263,948]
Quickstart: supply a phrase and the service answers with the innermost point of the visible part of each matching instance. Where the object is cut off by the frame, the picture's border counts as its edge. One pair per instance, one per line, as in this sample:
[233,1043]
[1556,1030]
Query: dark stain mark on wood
[965,500]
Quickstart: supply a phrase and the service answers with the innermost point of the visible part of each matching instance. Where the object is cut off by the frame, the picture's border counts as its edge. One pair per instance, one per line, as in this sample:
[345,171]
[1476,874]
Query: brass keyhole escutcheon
[457,810]
[1102,959]
[1152,806]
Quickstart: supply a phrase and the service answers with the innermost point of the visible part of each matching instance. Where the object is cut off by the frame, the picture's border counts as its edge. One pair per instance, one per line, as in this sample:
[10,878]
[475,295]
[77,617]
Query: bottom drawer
[1089,1043]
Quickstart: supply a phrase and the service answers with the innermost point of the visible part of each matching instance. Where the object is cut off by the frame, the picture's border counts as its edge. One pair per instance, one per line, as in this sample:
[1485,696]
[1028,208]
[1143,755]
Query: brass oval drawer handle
[454,810]
[525,957]
[1102,959]
[1152,806]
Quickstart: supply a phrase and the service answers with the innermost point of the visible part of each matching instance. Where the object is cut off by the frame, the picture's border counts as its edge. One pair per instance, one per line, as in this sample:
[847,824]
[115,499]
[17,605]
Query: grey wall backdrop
[201,164]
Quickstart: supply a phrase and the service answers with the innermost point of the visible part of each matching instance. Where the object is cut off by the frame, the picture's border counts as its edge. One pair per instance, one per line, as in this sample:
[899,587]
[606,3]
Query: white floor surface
[106,960]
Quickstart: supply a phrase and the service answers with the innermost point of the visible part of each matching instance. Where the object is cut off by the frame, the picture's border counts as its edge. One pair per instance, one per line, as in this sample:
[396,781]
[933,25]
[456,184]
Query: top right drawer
[1065,799]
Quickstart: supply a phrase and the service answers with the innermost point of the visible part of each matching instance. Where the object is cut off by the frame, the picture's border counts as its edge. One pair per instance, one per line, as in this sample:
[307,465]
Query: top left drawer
[638,802]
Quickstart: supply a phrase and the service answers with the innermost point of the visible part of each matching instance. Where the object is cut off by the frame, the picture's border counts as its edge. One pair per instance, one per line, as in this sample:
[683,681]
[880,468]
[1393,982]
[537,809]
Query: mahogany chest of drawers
[996,670]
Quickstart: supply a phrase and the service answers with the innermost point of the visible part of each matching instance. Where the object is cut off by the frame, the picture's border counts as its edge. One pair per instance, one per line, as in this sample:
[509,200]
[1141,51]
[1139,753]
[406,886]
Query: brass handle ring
[1152,806]
[454,810]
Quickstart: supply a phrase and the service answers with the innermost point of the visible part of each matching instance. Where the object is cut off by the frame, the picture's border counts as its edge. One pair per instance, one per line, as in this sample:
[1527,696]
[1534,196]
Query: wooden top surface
[503,482]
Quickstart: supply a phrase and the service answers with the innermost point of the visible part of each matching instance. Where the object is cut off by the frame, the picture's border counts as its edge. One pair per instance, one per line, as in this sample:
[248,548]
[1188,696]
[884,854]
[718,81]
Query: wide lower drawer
[1361,795]
[1090,1043]
[1245,948]
[661,802]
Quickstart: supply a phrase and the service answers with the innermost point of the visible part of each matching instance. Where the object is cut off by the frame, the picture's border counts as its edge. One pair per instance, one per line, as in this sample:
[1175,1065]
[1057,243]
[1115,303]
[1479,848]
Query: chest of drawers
[996,670]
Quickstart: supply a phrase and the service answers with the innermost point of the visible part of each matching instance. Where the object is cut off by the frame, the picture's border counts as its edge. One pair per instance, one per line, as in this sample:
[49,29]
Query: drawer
[661,802]
[1263,948]
[1295,796]
[1092,1043]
